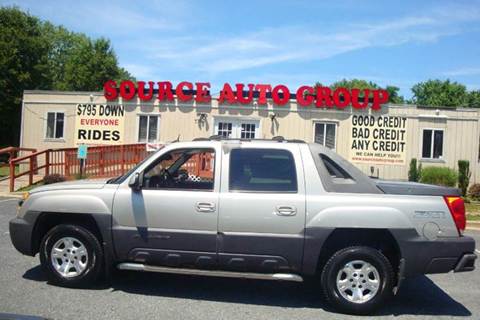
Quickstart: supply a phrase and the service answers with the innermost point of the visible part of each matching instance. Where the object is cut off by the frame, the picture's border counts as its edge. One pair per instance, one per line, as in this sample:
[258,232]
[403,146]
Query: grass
[471,217]
[33,186]
[473,207]
[5,171]
[473,211]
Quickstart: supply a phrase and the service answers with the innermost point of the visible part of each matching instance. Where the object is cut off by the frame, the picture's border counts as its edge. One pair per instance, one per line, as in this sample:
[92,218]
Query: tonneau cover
[415,188]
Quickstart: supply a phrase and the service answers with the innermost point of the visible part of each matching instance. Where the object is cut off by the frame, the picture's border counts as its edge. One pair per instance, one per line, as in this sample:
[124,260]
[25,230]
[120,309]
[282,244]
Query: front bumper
[21,235]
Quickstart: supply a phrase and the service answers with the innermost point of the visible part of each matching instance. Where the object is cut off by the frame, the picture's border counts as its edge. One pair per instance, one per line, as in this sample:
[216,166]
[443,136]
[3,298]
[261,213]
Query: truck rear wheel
[357,280]
[71,256]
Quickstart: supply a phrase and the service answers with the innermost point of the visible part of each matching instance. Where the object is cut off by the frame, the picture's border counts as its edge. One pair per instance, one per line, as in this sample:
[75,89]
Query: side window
[432,144]
[262,170]
[190,169]
[325,134]
[147,128]
[55,121]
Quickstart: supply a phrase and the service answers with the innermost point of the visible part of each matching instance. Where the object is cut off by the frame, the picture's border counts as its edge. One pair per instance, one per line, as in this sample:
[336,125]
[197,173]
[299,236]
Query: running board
[213,273]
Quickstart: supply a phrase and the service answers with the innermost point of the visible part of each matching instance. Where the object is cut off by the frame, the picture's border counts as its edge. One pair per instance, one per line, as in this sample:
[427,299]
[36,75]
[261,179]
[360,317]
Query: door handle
[285,210]
[205,207]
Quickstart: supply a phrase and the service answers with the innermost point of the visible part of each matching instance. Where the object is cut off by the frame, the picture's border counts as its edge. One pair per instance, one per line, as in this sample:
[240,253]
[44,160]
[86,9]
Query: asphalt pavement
[132,295]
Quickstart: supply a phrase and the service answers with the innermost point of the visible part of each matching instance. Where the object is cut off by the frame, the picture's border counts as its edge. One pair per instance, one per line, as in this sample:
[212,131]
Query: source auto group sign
[305,96]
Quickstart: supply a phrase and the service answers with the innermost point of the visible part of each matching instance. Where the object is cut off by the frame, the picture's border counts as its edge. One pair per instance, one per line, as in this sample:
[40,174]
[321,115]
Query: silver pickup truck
[277,209]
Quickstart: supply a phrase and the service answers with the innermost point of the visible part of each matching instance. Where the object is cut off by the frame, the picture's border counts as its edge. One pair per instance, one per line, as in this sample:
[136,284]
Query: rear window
[262,170]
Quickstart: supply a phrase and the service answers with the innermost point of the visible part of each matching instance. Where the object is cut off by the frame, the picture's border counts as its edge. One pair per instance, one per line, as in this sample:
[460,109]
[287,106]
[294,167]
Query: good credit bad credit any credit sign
[98,124]
[378,139]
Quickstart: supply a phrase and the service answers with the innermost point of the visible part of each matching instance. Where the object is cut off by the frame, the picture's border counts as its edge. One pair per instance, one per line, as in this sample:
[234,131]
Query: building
[380,142]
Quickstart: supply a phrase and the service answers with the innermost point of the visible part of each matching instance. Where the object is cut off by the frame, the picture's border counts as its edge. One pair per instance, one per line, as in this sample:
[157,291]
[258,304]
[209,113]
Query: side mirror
[136,181]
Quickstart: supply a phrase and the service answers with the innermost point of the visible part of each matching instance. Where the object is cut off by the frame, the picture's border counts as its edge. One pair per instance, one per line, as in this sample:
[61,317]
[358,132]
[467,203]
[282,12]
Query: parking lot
[24,290]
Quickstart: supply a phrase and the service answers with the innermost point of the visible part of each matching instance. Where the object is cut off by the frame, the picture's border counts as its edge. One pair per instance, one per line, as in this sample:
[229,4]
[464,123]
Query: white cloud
[467,71]
[269,46]
[107,18]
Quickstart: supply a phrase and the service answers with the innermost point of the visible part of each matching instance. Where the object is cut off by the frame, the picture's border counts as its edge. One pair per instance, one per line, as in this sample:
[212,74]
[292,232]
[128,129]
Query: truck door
[262,209]
[173,219]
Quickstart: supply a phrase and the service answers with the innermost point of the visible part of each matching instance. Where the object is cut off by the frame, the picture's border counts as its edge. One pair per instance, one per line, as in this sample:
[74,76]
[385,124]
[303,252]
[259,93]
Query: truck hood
[415,188]
[69,185]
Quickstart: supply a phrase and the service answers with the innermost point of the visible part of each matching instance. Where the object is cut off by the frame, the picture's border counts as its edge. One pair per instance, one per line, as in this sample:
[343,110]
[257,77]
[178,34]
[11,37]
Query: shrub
[441,176]
[463,175]
[414,171]
[474,191]
[79,176]
[53,178]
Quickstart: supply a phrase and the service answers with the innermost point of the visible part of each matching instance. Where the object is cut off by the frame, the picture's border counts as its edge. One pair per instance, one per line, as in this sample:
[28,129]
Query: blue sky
[282,42]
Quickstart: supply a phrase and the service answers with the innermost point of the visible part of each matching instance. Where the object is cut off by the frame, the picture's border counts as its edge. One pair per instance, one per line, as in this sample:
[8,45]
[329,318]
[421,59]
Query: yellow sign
[98,124]
[378,139]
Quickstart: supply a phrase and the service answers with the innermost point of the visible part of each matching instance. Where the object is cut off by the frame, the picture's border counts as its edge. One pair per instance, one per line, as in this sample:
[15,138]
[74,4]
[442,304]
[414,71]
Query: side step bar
[213,273]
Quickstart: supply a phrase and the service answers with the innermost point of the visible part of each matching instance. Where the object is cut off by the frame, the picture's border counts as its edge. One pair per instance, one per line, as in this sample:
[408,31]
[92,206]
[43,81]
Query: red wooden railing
[201,165]
[103,161]
[13,152]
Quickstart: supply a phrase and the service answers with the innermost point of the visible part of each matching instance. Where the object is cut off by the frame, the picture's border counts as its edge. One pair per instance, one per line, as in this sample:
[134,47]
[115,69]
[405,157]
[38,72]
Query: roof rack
[222,138]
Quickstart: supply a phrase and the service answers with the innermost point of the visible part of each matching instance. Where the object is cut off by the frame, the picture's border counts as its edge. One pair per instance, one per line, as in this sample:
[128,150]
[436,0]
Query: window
[264,170]
[147,128]
[432,145]
[55,125]
[248,131]
[191,169]
[325,134]
[236,129]
[224,129]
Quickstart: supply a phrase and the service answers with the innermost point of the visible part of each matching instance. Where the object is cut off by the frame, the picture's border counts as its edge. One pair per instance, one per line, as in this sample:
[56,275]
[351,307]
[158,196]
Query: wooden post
[101,161]
[122,158]
[12,176]
[30,172]
[47,162]
[67,156]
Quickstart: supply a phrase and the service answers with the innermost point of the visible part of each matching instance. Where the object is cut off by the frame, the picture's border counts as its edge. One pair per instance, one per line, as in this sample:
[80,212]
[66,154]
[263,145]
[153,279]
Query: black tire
[94,264]
[338,261]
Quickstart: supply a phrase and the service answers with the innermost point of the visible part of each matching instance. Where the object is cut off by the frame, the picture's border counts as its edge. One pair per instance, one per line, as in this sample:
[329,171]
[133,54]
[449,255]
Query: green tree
[473,99]
[23,65]
[464,175]
[39,55]
[393,95]
[80,63]
[90,64]
[354,83]
[361,84]
[415,171]
[440,93]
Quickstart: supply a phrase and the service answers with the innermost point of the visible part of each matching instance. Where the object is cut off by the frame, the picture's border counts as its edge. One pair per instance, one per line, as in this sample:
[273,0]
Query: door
[172,220]
[262,209]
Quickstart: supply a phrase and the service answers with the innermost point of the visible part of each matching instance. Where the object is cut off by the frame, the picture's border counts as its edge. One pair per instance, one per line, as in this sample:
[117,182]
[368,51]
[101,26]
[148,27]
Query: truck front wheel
[357,280]
[71,256]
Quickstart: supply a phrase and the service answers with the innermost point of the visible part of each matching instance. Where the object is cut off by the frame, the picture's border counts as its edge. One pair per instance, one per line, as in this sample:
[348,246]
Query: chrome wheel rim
[69,257]
[358,281]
